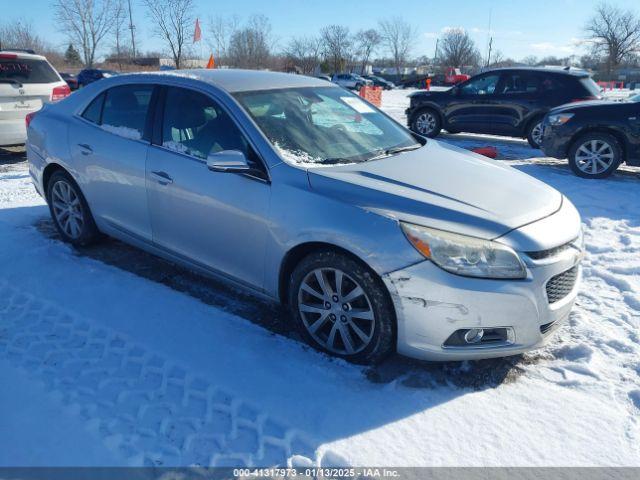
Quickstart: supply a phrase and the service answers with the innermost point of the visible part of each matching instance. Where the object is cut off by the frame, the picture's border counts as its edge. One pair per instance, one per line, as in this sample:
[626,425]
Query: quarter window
[94,110]
[195,125]
[125,110]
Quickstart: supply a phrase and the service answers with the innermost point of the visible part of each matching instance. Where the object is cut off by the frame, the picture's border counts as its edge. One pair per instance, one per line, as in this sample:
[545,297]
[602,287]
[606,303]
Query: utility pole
[435,54]
[132,28]
[489,54]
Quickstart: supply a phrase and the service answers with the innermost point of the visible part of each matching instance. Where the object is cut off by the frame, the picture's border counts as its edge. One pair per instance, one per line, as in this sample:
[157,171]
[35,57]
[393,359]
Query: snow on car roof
[237,80]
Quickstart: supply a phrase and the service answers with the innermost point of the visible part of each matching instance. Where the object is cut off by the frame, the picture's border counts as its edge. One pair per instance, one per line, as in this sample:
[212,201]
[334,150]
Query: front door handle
[162,178]
[86,149]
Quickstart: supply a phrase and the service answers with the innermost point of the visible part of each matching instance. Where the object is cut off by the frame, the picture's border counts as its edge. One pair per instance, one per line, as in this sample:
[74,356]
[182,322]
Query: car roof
[553,70]
[237,80]
[21,54]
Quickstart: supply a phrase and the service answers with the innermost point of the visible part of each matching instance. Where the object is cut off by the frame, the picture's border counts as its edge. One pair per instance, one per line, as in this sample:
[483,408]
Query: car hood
[441,186]
[567,107]
[430,94]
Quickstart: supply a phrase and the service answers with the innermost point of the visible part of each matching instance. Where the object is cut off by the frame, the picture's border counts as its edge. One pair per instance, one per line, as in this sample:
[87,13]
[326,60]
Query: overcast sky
[519,27]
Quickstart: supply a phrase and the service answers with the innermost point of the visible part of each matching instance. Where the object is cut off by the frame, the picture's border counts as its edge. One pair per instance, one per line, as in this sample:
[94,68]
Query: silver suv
[27,81]
[351,81]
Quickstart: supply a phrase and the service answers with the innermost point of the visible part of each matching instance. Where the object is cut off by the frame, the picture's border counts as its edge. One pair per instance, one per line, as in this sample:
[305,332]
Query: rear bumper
[12,132]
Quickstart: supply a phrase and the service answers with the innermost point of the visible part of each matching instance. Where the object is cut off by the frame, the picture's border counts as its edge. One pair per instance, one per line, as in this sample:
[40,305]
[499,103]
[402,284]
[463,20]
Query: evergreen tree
[72,57]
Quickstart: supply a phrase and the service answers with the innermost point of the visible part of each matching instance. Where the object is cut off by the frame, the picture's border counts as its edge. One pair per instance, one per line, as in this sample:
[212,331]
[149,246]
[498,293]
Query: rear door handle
[86,149]
[162,178]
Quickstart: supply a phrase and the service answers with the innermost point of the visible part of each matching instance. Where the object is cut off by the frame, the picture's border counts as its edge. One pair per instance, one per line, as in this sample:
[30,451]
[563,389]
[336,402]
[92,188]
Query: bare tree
[250,46]
[397,36]
[173,23]
[85,23]
[530,60]
[456,49]
[119,30]
[304,52]
[615,34]
[366,43]
[19,34]
[336,46]
[220,30]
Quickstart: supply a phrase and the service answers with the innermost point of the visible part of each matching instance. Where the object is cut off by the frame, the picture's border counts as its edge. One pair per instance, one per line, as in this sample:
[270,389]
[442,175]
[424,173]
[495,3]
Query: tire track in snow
[150,410]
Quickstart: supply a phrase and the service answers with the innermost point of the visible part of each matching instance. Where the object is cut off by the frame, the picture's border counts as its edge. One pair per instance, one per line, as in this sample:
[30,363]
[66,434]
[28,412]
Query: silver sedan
[377,239]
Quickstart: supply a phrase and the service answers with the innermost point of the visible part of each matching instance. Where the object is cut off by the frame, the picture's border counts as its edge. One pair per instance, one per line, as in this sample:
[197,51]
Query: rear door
[109,144]
[519,99]
[26,83]
[473,105]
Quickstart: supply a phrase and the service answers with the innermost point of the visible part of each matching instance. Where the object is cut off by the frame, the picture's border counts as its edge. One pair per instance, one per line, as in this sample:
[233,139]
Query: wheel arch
[49,170]
[536,117]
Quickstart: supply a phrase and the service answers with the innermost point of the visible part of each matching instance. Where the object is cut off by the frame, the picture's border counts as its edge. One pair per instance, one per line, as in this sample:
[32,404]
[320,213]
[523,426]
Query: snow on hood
[444,187]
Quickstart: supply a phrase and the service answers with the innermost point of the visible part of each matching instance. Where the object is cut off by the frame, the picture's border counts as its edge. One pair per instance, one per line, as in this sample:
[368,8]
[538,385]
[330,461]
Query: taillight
[8,56]
[29,117]
[60,92]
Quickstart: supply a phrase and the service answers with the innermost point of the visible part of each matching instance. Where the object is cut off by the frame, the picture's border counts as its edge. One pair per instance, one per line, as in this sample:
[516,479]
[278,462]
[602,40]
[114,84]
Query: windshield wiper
[393,151]
[11,80]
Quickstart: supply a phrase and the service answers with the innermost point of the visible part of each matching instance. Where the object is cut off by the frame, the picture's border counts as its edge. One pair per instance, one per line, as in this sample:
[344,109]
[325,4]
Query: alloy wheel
[336,311]
[594,157]
[67,209]
[537,133]
[426,123]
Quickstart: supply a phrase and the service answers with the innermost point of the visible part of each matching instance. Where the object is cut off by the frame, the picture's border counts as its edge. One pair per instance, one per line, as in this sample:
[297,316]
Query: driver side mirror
[229,161]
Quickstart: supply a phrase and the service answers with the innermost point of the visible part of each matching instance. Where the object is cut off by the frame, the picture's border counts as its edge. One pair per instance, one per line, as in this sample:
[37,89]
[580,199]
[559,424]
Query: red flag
[197,34]
[211,63]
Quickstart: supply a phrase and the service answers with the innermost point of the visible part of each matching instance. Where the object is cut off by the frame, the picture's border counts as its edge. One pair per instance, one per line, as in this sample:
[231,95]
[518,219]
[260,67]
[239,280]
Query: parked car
[453,76]
[351,81]
[376,238]
[324,77]
[596,137]
[90,75]
[27,81]
[71,80]
[510,101]
[380,82]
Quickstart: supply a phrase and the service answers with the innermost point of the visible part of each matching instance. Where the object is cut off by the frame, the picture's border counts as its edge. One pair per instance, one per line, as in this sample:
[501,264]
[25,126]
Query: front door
[473,105]
[215,219]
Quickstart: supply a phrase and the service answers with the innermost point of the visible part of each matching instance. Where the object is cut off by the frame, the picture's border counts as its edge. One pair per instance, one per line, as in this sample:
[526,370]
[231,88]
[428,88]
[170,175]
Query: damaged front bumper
[432,305]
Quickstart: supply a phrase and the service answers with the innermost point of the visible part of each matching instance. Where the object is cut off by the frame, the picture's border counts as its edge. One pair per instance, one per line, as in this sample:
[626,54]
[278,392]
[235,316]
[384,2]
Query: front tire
[595,155]
[427,123]
[70,211]
[341,308]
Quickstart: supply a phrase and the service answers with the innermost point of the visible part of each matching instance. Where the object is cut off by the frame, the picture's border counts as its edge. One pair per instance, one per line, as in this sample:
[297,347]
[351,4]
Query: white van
[27,81]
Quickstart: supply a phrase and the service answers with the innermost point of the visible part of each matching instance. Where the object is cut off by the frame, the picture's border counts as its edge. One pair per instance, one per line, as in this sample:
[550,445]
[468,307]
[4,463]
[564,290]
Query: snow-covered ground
[111,357]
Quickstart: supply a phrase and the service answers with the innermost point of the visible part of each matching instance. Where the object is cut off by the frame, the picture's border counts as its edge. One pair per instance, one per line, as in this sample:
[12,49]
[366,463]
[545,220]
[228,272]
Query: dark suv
[90,75]
[596,137]
[507,101]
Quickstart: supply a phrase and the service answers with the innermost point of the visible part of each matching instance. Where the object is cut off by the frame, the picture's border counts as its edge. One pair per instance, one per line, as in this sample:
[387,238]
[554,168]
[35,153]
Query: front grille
[561,285]
[542,254]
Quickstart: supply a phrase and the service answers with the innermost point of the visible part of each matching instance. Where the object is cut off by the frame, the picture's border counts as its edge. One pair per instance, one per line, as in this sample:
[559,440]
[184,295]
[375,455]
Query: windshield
[27,71]
[324,125]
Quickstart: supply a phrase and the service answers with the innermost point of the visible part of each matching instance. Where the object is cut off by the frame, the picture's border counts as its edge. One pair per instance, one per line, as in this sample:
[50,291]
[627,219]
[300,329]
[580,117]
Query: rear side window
[27,71]
[93,111]
[125,110]
[520,83]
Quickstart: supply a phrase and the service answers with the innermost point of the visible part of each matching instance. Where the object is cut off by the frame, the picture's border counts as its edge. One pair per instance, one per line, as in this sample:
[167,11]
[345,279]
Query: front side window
[195,125]
[485,85]
[125,110]
[324,125]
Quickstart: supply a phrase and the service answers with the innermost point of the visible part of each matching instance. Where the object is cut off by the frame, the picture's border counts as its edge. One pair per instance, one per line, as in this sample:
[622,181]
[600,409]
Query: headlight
[559,119]
[462,255]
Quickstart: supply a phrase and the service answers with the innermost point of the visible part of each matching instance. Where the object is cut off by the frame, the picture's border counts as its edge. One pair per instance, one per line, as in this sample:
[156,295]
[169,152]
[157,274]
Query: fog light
[474,335]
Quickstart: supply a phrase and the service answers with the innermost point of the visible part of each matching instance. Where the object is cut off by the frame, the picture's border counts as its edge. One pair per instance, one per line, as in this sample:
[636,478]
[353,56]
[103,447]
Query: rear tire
[595,155]
[534,133]
[426,122]
[69,210]
[341,308]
